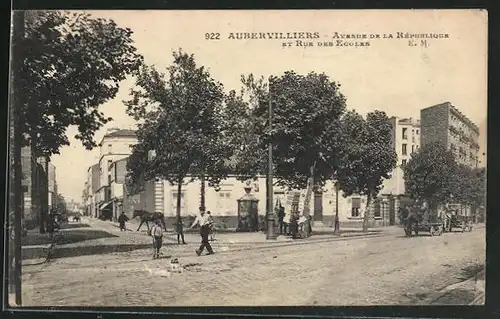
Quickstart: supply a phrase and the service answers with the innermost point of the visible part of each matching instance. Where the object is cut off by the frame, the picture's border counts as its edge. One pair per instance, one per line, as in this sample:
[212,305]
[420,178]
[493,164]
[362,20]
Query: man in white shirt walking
[204,221]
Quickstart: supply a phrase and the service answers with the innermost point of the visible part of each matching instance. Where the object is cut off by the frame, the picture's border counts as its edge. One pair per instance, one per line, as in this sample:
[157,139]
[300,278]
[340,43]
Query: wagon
[464,223]
[435,229]
[417,223]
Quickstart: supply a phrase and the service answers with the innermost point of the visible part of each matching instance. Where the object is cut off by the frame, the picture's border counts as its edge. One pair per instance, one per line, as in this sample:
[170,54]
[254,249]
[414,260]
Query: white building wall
[113,149]
[224,202]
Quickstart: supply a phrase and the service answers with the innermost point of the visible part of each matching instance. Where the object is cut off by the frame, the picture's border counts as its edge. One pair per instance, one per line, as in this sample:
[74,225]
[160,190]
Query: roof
[119,133]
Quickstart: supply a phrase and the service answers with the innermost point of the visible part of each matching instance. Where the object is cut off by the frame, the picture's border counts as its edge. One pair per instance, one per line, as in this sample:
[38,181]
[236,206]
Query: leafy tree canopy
[430,174]
[72,64]
[181,123]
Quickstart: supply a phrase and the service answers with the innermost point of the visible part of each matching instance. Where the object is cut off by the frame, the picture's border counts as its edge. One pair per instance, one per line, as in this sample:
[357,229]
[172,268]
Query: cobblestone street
[364,271]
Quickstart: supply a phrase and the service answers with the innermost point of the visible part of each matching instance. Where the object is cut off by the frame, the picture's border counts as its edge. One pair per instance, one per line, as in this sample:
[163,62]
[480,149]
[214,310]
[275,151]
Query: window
[356,207]
[403,150]
[417,132]
[225,194]
[403,163]
[109,179]
[377,212]
[413,148]
[405,133]
[110,148]
[109,164]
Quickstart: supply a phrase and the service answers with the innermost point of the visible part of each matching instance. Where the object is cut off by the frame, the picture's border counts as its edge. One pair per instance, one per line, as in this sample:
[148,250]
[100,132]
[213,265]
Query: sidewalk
[130,240]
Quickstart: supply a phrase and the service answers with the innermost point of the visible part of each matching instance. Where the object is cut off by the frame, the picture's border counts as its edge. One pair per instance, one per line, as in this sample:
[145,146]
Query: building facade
[52,186]
[444,123]
[118,173]
[91,188]
[161,196]
[45,185]
[115,145]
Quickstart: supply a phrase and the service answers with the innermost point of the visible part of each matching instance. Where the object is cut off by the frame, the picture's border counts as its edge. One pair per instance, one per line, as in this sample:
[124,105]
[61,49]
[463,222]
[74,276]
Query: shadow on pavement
[68,237]
[74,225]
[471,271]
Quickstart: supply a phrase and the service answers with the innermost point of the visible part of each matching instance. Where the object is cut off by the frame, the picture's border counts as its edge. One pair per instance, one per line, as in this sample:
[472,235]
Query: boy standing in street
[157,234]
[180,231]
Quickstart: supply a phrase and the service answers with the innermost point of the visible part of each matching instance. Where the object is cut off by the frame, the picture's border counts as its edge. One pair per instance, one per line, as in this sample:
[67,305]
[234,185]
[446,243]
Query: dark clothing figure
[180,232]
[281,217]
[294,225]
[122,219]
[309,226]
[204,232]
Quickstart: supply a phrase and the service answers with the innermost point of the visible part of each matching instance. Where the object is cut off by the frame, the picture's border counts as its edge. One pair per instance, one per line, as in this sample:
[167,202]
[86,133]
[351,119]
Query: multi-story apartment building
[405,138]
[116,144]
[92,186]
[118,173]
[444,123]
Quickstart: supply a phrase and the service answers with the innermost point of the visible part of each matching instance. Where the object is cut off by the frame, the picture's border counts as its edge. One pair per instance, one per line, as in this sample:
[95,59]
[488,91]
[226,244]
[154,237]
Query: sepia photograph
[175,158]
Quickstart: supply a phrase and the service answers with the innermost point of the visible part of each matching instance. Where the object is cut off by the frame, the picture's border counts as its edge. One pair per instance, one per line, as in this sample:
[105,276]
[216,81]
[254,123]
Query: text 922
[212,36]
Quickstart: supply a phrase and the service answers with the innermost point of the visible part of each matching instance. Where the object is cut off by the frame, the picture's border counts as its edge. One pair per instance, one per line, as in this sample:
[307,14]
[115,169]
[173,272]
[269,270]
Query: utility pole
[16,106]
[271,230]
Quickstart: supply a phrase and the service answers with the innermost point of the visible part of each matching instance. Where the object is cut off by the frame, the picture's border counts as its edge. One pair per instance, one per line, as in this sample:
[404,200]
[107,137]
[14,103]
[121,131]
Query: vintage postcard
[247,158]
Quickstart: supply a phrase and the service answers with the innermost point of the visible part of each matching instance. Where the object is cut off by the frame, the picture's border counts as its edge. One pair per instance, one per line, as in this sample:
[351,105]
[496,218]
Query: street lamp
[336,230]
[271,231]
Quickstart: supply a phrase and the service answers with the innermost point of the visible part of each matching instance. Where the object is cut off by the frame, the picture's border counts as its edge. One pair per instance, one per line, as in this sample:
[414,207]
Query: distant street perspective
[145,171]
[380,268]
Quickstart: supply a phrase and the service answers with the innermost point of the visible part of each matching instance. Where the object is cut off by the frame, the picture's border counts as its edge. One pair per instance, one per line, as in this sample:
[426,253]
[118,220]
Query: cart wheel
[435,231]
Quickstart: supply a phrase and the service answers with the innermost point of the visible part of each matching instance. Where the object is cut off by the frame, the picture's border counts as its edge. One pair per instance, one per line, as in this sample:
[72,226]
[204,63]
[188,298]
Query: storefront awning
[105,205]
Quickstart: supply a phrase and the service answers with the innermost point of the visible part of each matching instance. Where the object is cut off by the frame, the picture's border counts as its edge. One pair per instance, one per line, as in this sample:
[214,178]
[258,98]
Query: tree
[304,108]
[468,186]
[72,64]
[367,157]
[61,205]
[430,175]
[181,122]
[241,132]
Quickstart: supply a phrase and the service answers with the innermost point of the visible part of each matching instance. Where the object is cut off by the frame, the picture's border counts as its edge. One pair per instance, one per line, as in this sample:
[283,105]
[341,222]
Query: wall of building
[113,149]
[161,197]
[434,124]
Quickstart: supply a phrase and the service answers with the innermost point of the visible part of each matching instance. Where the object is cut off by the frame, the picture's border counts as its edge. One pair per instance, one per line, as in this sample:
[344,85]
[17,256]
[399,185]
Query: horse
[147,217]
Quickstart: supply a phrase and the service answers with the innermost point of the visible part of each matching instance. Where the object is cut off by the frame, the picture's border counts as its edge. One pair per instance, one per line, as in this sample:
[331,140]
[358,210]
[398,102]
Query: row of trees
[66,66]
[195,129]
[433,175]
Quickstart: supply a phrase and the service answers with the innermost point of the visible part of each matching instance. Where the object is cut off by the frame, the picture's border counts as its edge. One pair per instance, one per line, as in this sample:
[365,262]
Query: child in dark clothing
[180,231]
[122,220]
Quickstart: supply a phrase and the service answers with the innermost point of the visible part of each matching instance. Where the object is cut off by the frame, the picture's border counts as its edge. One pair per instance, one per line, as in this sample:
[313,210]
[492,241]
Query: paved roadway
[390,270]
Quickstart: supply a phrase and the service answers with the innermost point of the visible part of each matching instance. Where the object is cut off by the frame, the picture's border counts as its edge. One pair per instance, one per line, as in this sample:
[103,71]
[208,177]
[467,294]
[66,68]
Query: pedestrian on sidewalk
[122,219]
[157,234]
[281,218]
[203,220]
[180,231]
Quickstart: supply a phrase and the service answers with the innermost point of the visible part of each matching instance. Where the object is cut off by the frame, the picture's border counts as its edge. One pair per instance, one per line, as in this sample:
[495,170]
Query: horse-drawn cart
[416,223]
[464,223]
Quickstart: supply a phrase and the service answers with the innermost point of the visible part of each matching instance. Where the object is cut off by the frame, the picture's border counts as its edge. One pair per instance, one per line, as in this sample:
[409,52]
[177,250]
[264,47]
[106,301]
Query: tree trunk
[310,187]
[179,191]
[35,184]
[366,217]
[202,192]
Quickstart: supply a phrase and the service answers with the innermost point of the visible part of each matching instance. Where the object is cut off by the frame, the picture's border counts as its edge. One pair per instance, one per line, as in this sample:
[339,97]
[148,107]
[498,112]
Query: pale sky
[388,75]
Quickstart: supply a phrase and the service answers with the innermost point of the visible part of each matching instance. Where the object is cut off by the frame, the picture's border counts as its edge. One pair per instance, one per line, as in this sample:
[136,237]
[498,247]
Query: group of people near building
[295,224]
